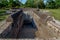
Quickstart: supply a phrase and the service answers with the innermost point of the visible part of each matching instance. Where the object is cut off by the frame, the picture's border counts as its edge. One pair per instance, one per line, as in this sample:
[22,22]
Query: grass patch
[3,15]
[55,13]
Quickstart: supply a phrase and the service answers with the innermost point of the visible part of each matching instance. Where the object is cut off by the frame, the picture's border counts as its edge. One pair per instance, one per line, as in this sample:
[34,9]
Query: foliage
[13,3]
[40,3]
[35,4]
[3,3]
[51,4]
[58,3]
[10,3]
[30,3]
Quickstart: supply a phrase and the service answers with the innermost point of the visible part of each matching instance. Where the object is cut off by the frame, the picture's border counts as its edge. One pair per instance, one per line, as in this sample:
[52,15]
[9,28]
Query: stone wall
[54,29]
[44,30]
[13,28]
[17,24]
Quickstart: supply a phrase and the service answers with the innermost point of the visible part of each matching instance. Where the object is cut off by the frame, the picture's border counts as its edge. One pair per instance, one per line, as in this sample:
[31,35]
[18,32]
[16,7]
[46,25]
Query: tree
[57,3]
[39,3]
[14,3]
[35,4]
[3,3]
[51,4]
[10,3]
[29,3]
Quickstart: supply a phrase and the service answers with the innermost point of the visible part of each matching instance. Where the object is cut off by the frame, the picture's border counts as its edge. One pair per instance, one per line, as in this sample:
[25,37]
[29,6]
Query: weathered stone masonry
[16,20]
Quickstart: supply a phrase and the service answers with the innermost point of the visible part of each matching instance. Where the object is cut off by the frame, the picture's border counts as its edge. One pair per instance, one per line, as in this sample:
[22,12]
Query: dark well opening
[28,29]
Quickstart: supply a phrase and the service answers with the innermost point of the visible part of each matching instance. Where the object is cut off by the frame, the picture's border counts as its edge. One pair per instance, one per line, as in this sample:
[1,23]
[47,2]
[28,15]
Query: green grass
[3,16]
[55,13]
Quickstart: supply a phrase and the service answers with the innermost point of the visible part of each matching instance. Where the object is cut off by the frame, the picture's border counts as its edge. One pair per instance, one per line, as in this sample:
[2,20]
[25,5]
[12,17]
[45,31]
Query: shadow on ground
[28,30]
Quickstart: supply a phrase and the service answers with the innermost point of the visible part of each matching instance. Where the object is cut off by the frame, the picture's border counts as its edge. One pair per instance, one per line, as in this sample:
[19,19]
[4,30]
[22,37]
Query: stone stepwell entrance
[29,28]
